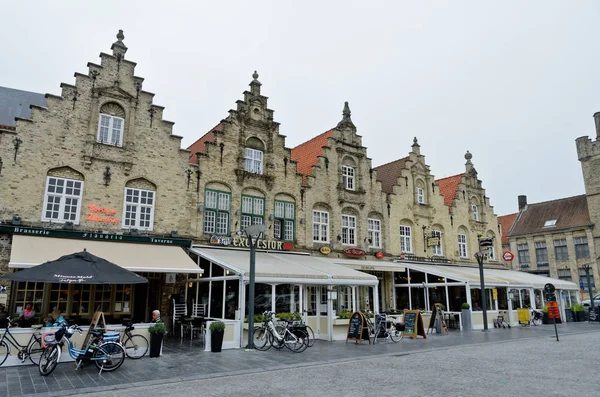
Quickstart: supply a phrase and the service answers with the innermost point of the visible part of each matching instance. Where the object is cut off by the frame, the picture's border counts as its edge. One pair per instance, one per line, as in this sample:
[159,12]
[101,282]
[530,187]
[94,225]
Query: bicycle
[380,329]
[32,350]
[136,346]
[107,355]
[309,331]
[269,335]
[535,318]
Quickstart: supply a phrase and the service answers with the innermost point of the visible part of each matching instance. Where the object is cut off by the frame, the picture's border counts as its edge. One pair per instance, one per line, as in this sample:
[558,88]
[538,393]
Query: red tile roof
[568,212]
[307,154]
[200,144]
[506,222]
[449,187]
[389,173]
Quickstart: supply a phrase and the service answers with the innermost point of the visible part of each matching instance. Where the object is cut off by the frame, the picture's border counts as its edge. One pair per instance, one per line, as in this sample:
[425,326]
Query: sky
[514,82]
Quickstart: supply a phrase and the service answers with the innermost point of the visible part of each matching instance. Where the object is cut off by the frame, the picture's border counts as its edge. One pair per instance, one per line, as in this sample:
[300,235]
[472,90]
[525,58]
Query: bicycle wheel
[276,343]
[395,335]
[261,339]
[303,338]
[34,351]
[136,346]
[293,342]
[311,336]
[4,350]
[48,360]
[536,321]
[109,356]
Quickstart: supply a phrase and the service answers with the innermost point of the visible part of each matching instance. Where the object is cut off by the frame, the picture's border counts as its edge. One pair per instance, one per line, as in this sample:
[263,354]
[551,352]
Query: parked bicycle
[136,346]
[268,335]
[32,350]
[381,330]
[107,355]
[536,318]
[302,324]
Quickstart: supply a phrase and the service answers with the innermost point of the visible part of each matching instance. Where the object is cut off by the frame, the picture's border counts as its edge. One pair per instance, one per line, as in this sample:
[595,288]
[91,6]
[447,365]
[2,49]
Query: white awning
[492,277]
[364,265]
[285,267]
[29,251]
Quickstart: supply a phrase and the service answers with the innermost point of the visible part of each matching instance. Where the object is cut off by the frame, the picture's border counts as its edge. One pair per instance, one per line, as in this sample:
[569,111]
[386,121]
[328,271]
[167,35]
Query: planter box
[341,321]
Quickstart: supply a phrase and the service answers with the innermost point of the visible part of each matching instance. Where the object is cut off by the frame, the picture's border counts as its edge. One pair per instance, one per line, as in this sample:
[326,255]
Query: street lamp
[253,233]
[587,269]
[483,243]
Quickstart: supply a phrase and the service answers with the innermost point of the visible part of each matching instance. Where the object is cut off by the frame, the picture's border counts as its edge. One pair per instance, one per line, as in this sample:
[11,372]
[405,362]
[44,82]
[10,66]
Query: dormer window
[253,161]
[348,177]
[111,125]
[550,223]
[475,211]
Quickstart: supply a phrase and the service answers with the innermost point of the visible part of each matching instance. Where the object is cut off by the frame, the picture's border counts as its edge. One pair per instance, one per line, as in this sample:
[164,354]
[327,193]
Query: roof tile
[307,154]
[506,222]
[449,187]
[389,173]
[200,144]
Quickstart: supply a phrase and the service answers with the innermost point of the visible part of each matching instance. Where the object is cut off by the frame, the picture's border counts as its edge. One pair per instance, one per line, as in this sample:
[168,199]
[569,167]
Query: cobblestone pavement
[184,360]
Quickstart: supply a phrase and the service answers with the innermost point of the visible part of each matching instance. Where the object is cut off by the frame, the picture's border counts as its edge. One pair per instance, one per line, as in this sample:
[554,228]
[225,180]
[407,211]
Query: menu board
[357,328]
[413,324]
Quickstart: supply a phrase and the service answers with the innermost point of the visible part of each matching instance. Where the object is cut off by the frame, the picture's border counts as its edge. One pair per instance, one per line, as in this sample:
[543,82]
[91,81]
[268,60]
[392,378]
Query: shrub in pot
[217,330]
[157,332]
[578,312]
[465,317]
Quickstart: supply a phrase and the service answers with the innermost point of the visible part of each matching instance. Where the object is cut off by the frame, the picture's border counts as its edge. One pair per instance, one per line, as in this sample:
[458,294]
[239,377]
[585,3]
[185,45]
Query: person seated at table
[27,316]
[156,317]
[57,319]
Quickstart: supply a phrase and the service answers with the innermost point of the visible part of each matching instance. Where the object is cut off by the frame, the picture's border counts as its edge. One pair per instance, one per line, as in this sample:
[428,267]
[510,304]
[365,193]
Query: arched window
[253,156]
[436,232]
[139,204]
[421,199]
[62,199]
[217,207]
[348,174]
[463,248]
[111,124]
[406,237]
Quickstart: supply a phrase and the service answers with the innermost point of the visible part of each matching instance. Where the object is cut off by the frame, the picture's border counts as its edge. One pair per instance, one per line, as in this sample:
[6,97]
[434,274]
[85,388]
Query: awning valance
[493,277]
[29,251]
[285,267]
[364,265]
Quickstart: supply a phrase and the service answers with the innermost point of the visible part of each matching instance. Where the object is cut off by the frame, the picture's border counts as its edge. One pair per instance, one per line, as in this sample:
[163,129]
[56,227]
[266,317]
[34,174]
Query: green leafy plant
[258,318]
[157,329]
[577,307]
[545,309]
[217,326]
[344,315]
[288,316]
[441,306]
[465,306]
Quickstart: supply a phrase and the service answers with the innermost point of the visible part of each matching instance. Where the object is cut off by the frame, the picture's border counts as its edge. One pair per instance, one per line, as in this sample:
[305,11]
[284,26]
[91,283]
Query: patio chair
[198,309]
[179,312]
[198,328]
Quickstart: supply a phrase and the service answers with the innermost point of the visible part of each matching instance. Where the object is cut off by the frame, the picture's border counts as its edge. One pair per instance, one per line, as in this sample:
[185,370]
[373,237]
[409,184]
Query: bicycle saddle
[129,328]
[37,326]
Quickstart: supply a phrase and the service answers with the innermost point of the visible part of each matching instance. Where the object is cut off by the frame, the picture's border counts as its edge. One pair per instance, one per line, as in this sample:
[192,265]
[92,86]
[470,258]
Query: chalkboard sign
[357,328]
[413,324]
[438,314]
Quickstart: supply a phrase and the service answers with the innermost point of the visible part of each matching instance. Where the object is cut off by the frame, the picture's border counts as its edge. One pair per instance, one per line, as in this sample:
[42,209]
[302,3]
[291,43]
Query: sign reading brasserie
[260,244]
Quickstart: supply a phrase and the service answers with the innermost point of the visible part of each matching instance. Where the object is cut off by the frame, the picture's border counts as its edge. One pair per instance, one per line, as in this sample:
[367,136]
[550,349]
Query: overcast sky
[514,82]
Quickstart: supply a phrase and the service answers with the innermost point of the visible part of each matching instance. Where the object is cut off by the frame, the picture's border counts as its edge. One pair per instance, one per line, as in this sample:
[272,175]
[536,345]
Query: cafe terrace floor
[184,360]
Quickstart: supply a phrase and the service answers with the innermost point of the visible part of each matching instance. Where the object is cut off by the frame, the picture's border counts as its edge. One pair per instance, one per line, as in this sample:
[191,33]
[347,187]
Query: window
[285,215]
[564,274]
[253,210]
[475,212]
[28,292]
[420,195]
[437,249]
[139,209]
[583,279]
[582,250]
[320,226]
[523,251]
[550,223]
[348,230]
[62,201]
[405,239]
[253,161]
[216,212]
[491,253]
[348,177]
[541,252]
[560,249]
[374,233]
[110,130]
[462,246]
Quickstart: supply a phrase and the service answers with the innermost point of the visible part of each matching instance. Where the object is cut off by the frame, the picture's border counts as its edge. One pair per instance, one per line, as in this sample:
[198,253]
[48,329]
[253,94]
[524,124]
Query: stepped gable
[568,212]
[200,144]
[506,222]
[306,155]
[389,173]
[449,187]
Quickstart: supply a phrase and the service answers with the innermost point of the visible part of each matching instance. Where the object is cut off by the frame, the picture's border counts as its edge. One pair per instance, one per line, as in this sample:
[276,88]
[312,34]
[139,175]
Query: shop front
[286,282]
[157,259]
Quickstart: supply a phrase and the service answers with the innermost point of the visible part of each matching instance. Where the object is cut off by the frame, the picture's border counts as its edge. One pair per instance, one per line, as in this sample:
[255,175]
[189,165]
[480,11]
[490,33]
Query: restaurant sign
[260,244]
[325,250]
[354,252]
[101,214]
[91,235]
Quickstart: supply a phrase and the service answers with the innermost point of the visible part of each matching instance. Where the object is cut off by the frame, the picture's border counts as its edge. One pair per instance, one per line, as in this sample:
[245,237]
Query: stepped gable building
[94,167]
[554,239]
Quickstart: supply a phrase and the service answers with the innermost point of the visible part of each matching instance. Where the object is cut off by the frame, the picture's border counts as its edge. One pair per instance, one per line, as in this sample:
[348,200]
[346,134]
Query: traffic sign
[553,310]
[486,242]
[508,256]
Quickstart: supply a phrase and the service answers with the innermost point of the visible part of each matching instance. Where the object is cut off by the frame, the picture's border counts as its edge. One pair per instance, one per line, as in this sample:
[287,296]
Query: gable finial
[119,48]
[346,119]
[255,84]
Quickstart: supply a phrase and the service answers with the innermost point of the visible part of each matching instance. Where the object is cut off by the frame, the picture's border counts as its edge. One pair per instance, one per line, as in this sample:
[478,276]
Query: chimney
[522,202]
[597,121]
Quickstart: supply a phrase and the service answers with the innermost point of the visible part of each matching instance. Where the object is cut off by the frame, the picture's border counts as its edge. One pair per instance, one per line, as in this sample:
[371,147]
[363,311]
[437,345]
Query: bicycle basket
[399,327]
[50,339]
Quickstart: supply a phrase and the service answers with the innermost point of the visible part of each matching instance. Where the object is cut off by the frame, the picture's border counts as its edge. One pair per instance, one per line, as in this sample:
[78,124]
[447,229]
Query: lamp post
[483,243]
[253,233]
[587,269]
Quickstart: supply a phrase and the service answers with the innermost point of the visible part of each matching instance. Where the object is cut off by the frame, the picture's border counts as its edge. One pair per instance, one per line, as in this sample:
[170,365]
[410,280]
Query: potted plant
[545,318]
[157,332]
[217,330]
[578,312]
[465,317]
